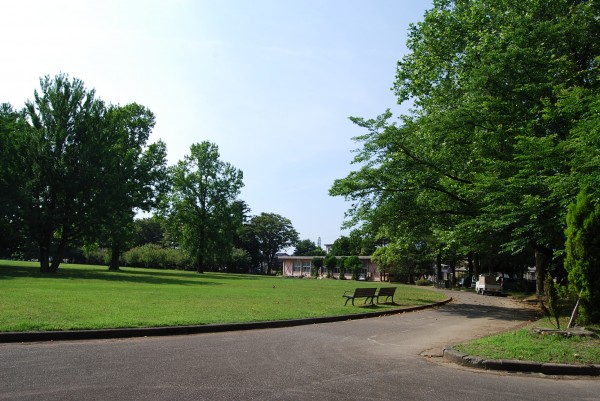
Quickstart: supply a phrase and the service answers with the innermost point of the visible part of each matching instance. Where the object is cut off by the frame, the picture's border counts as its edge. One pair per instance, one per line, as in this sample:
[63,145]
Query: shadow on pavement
[478,311]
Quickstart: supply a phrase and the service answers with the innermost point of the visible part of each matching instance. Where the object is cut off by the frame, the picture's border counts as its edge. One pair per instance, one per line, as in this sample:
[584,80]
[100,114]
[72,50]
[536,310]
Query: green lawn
[88,297]
[525,344]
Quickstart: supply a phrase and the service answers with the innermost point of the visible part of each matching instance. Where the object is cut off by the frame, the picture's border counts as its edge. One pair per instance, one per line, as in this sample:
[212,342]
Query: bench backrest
[387,291]
[364,292]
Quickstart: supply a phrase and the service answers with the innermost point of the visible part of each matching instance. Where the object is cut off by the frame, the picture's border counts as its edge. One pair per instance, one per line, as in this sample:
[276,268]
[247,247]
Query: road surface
[387,358]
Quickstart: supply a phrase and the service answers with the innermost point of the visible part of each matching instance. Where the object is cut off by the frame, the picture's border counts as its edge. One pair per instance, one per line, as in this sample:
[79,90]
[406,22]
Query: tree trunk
[476,266]
[114,257]
[44,259]
[470,264]
[58,256]
[541,261]
[200,264]
[439,266]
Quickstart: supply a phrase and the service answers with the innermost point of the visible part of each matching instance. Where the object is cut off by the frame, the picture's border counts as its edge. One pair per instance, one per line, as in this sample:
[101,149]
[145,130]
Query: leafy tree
[239,262]
[134,173]
[202,204]
[271,233]
[148,230]
[317,263]
[583,255]
[306,247]
[484,164]
[354,265]
[403,260]
[341,246]
[64,124]
[330,264]
[357,243]
[15,169]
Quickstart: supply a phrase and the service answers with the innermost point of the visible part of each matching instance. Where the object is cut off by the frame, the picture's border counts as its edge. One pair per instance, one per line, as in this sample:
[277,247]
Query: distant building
[301,266]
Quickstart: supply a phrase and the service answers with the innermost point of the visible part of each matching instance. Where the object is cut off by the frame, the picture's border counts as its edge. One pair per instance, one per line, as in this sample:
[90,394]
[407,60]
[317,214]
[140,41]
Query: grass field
[527,345]
[89,297]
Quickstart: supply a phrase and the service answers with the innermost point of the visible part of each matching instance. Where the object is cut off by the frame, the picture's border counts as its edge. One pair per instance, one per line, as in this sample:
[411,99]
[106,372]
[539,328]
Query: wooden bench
[367,293]
[386,292]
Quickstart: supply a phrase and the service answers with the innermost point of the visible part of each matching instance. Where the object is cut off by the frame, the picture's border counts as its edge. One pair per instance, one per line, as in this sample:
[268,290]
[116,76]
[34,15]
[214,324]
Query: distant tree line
[76,171]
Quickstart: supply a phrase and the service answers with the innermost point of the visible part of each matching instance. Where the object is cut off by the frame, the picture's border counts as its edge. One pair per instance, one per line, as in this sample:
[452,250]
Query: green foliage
[331,263]
[155,257]
[201,207]
[583,255]
[403,260]
[306,247]
[270,233]
[82,168]
[95,255]
[133,173]
[423,283]
[357,243]
[502,133]
[317,264]
[552,300]
[62,194]
[353,265]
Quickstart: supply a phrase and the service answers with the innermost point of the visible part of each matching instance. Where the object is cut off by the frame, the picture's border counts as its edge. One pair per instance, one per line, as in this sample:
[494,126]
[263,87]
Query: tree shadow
[8,272]
[479,311]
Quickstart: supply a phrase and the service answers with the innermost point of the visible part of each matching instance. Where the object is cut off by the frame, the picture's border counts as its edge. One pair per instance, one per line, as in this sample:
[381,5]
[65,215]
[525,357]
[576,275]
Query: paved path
[370,359]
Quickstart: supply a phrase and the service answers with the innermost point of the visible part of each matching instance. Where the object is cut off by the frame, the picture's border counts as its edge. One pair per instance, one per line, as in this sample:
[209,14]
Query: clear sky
[271,82]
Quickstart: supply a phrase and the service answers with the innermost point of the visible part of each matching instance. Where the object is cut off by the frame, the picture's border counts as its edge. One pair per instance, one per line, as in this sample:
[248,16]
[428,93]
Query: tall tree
[485,157]
[272,233]
[15,169]
[134,173]
[65,121]
[202,203]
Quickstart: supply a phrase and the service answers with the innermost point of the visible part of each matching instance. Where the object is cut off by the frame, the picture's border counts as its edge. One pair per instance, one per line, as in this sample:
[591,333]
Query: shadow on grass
[8,272]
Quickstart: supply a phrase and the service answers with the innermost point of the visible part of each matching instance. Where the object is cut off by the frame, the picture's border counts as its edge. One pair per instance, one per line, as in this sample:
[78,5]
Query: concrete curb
[509,365]
[37,336]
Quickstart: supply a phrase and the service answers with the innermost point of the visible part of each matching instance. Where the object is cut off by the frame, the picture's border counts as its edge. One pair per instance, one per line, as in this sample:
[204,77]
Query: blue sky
[271,82]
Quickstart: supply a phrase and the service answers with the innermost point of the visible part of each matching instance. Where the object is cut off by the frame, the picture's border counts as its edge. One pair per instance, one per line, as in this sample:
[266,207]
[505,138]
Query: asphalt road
[387,358]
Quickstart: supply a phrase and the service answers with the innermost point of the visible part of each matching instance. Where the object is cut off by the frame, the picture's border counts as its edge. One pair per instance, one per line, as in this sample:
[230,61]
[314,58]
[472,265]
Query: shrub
[423,282]
[156,257]
[582,256]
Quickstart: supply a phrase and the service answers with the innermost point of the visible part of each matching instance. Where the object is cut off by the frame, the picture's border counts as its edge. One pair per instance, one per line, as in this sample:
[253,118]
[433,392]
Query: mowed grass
[527,345]
[90,297]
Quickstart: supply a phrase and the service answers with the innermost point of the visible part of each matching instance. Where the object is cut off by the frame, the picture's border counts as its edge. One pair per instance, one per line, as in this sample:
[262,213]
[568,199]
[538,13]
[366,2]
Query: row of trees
[330,262]
[75,171]
[502,136]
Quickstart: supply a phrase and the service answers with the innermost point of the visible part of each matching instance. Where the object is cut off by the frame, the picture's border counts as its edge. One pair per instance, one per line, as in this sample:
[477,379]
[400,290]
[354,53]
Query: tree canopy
[307,247]
[75,169]
[271,233]
[489,156]
[202,204]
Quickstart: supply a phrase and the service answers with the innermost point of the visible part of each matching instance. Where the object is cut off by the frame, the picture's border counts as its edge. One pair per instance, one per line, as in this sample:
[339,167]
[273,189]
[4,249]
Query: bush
[156,257]
[94,255]
[423,282]
[582,256]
